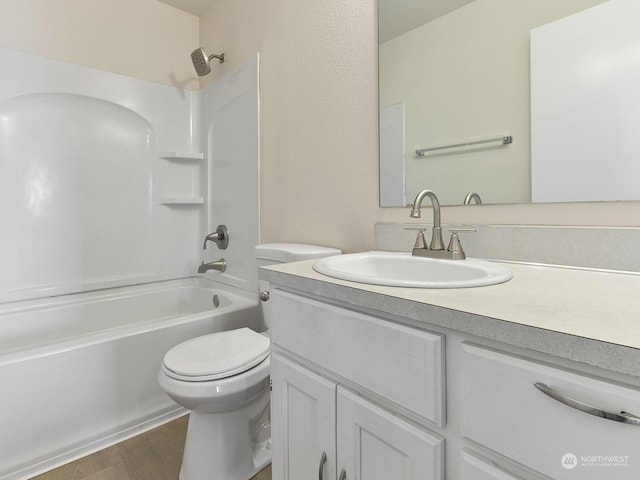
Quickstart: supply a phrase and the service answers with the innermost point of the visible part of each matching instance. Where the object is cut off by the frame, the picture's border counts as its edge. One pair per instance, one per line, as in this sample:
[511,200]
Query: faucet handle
[420,241]
[436,238]
[455,247]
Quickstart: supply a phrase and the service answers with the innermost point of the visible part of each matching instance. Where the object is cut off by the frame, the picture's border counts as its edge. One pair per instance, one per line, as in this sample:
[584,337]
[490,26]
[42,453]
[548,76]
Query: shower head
[202,62]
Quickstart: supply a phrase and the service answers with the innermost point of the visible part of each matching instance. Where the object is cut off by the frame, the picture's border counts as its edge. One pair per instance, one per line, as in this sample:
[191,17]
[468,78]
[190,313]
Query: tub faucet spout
[219,265]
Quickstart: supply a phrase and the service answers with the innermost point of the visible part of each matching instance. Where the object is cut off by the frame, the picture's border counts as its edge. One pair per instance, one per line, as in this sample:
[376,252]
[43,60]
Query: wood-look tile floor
[154,455]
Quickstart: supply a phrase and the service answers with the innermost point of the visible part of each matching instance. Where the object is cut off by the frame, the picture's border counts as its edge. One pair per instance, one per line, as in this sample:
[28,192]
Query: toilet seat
[216,356]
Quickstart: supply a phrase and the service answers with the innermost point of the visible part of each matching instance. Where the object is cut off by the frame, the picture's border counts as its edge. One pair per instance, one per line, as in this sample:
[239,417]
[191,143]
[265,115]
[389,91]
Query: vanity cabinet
[323,430]
[357,395]
[340,409]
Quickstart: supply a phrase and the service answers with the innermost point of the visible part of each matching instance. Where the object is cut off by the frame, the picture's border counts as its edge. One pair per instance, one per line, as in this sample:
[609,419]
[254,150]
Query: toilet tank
[274,253]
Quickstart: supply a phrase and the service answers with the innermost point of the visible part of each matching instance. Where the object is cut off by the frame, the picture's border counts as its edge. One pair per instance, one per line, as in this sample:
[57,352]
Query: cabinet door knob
[343,475]
[622,417]
[323,462]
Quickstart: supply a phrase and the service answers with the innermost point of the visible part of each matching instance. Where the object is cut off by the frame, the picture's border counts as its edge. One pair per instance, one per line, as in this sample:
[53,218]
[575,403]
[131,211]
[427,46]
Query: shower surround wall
[81,184]
[230,125]
[107,184]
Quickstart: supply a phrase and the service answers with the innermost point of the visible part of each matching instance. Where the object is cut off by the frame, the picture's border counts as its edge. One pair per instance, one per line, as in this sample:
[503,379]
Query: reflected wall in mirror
[464,73]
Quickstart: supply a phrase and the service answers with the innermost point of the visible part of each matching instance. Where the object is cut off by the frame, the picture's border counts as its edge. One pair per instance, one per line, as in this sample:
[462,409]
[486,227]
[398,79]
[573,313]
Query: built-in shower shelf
[182,156]
[180,200]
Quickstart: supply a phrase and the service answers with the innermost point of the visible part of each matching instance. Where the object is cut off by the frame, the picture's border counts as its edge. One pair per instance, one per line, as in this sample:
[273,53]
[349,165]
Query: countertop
[582,315]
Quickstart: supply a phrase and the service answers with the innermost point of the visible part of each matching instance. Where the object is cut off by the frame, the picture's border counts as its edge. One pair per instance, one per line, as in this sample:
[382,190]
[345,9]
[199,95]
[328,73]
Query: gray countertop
[582,315]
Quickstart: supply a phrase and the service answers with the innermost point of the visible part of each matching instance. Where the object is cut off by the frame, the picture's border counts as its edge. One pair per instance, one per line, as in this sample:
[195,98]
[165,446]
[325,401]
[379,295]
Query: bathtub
[78,372]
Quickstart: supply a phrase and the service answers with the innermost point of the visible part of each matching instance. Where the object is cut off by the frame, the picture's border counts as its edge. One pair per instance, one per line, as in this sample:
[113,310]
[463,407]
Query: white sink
[404,270]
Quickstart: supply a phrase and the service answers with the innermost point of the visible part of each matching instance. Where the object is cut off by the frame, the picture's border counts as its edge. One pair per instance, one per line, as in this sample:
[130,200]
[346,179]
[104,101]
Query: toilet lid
[218,355]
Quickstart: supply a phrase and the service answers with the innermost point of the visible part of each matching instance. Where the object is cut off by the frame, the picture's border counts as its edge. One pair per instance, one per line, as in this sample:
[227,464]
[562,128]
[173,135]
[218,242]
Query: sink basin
[404,270]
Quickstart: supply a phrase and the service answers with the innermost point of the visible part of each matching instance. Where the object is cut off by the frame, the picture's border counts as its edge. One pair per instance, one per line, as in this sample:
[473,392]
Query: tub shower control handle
[343,475]
[220,236]
[323,462]
[622,417]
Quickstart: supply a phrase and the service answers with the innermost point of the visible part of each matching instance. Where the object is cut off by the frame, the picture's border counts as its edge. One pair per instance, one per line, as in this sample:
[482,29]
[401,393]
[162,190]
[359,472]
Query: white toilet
[223,378]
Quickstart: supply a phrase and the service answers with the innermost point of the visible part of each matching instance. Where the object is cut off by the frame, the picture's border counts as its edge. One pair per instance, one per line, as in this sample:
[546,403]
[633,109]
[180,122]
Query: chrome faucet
[436,248]
[471,196]
[436,232]
[219,265]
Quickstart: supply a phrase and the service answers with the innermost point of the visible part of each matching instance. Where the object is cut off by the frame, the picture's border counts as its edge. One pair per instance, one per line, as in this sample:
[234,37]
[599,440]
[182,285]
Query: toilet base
[224,446]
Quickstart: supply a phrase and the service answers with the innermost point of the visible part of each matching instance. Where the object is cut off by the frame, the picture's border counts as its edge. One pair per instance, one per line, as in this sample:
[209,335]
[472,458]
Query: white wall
[234,28]
[319,127]
[141,38]
[319,103]
[318,100]
[146,39]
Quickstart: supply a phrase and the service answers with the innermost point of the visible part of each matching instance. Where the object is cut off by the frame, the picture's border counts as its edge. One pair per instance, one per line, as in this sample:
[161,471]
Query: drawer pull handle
[343,475]
[622,417]
[323,462]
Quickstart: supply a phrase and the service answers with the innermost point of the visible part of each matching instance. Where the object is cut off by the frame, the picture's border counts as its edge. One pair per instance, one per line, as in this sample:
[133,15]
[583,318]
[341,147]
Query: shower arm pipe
[219,57]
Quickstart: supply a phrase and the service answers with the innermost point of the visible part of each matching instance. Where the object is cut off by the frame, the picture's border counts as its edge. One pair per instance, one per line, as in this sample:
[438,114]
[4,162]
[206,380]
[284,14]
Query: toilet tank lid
[293,252]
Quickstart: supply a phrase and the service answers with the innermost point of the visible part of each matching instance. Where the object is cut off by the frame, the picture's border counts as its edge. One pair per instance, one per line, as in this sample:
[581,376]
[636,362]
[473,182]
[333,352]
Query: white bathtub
[78,372]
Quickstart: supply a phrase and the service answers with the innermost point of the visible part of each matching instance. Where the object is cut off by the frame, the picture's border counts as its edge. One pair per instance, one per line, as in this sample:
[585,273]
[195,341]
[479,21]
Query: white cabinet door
[373,444]
[303,422]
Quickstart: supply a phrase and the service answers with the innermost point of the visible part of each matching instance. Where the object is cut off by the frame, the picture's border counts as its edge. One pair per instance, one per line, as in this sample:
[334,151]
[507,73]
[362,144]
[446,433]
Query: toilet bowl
[223,378]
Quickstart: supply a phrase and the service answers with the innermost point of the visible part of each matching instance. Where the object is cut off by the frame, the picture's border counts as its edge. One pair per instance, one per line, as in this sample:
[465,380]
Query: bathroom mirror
[466,72]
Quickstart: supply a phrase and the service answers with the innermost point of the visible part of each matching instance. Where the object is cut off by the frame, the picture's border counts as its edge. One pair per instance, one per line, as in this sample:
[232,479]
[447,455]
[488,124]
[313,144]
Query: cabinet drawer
[503,410]
[401,364]
[475,468]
